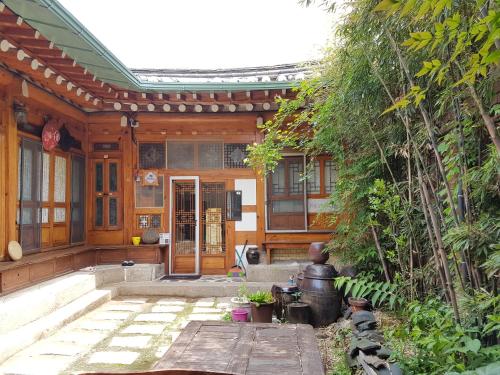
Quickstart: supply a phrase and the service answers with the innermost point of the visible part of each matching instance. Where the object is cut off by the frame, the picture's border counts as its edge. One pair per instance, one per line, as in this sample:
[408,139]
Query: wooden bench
[269,246]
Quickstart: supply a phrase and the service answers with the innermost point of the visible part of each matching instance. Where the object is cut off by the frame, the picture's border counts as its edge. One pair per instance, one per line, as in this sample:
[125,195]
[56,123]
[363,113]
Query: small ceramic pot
[358,304]
[253,255]
[136,241]
[239,303]
[316,254]
[263,313]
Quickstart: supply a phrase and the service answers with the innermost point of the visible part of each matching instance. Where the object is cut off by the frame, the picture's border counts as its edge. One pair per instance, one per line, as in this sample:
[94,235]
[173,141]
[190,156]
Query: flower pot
[136,241]
[243,304]
[263,313]
[316,253]
[239,315]
[358,304]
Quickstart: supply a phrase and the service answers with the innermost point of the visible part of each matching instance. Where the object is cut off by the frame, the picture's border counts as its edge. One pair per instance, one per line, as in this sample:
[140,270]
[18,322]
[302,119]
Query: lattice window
[108,146]
[213,218]
[180,155]
[278,179]
[234,155]
[295,169]
[60,179]
[149,196]
[151,155]
[313,178]
[210,155]
[330,176]
[45,177]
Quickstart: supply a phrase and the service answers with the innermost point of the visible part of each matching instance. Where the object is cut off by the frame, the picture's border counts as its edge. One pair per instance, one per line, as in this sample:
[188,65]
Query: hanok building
[93,154]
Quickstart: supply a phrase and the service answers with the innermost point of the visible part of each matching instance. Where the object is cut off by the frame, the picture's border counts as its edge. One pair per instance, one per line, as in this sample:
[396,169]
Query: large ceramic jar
[316,254]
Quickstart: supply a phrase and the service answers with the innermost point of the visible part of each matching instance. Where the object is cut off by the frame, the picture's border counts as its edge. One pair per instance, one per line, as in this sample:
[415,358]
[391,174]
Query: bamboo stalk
[380,254]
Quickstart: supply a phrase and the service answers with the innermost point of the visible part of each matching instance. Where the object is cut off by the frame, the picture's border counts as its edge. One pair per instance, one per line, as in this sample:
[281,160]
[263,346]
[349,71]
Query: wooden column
[11,166]
[128,185]
[3,179]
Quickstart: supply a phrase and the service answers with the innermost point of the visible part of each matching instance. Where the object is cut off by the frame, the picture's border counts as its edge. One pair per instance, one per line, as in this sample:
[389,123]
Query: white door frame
[197,214]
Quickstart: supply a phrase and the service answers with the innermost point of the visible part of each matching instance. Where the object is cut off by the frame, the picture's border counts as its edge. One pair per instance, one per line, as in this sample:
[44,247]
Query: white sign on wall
[248,189]
[164,238]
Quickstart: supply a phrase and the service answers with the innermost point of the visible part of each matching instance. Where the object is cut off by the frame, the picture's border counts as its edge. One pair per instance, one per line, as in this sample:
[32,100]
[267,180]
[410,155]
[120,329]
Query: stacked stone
[367,349]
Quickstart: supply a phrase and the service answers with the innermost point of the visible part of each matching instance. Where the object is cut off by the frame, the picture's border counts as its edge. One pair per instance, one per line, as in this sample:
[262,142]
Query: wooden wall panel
[63,264]
[184,264]
[15,278]
[42,271]
[241,237]
[213,265]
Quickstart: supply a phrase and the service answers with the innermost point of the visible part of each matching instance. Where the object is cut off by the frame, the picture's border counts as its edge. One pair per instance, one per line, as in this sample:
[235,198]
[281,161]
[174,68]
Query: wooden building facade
[138,150]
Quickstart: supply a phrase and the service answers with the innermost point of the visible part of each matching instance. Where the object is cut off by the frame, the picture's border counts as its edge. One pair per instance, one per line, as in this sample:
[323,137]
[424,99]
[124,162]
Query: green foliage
[379,293]
[261,297]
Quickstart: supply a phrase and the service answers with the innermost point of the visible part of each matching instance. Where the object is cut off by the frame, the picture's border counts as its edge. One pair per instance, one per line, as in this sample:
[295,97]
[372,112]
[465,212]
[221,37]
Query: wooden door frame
[171,249]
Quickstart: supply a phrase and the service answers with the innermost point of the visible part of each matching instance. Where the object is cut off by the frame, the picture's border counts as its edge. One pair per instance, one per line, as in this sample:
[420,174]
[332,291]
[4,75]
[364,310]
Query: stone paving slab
[133,299]
[155,317]
[35,365]
[110,315]
[205,310]
[150,329]
[204,317]
[205,302]
[99,325]
[80,337]
[56,348]
[171,301]
[167,308]
[117,358]
[132,307]
[131,341]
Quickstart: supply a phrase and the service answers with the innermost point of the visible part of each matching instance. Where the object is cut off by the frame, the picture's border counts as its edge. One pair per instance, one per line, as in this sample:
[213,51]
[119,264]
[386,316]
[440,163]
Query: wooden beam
[11,168]
[18,32]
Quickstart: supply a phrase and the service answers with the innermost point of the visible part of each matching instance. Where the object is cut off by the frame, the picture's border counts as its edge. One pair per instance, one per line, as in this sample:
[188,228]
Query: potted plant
[242,301]
[262,306]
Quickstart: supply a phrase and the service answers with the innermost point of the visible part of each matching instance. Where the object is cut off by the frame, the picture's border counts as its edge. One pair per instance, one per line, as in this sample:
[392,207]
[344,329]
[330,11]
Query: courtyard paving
[127,333]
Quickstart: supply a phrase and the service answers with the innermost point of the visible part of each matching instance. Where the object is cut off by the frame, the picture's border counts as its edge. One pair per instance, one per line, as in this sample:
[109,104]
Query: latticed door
[184,226]
[213,218]
[107,189]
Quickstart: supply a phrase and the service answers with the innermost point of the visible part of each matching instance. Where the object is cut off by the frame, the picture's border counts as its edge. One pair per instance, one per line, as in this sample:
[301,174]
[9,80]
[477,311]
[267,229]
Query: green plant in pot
[262,306]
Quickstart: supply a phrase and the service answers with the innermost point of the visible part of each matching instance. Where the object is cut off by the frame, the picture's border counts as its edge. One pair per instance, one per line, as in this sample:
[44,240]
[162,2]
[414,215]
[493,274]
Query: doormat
[181,277]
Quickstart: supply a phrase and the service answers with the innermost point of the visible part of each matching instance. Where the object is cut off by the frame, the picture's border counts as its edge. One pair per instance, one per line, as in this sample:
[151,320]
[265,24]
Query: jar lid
[320,271]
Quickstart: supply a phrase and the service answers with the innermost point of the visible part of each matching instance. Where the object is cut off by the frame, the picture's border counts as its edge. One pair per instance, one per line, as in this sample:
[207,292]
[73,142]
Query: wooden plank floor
[245,348]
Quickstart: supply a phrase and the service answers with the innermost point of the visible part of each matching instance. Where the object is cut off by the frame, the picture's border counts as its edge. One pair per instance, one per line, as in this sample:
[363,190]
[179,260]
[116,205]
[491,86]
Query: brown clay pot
[263,313]
[358,304]
[316,254]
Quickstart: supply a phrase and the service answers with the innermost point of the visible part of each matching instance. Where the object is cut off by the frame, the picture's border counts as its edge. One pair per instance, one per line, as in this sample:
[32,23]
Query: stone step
[27,305]
[276,272]
[18,339]
[188,289]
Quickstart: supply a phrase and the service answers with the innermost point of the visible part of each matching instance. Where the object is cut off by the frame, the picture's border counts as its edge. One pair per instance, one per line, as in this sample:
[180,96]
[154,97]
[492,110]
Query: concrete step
[188,289]
[276,272]
[27,305]
[18,339]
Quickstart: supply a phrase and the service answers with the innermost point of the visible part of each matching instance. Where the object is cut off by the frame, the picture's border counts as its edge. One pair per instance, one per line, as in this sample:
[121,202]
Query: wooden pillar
[128,185]
[3,180]
[11,155]
[261,213]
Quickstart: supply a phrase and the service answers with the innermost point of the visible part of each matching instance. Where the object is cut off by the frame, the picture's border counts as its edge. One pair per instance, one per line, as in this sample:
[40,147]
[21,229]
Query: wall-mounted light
[259,121]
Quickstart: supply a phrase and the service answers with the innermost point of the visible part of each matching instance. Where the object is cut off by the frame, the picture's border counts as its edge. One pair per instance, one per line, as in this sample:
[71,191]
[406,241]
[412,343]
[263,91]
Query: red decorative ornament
[50,135]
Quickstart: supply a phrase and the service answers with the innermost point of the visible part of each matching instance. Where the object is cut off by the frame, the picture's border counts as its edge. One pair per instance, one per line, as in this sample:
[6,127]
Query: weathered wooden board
[245,348]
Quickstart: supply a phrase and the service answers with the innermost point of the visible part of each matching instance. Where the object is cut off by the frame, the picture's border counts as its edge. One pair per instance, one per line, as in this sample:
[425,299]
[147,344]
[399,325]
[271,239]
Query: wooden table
[245,348]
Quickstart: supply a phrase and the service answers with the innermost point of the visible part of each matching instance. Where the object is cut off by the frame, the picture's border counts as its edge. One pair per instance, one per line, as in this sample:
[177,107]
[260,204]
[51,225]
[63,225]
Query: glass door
[106,194]
[77,199]
[184,226]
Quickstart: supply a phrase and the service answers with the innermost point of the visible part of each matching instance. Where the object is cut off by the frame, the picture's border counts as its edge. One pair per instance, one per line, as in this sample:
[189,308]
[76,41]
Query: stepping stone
[110,315]
[150,329]
[132,307]
[139,342]
[118,358]
[205,317]
[161,351]
[167,308]
[99,325]
[80,337]
[205,302]
[184,324]
[171,301]
[204,310]
[156,317]
[174,335]
[46,364]
[55,348]
[133,300]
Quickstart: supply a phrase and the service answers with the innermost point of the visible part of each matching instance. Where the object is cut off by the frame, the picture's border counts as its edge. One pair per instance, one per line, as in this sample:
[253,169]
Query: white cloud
[205,34]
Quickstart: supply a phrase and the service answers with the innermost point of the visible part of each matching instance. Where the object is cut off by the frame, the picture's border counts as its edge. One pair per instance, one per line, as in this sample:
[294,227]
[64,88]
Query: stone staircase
[38,311]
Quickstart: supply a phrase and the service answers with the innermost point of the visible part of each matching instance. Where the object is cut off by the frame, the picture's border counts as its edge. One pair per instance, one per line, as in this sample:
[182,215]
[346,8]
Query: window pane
[278,178]
[151,155]
[45,177]
[210,155]
[98,212]
[60,180]
[313,179]
[288,206]
[295,169]
[27,174]
[149,196]
[330,176]
[99,176]
[113,211]
[45,215]
[180,155]
[234,155]
[155,221]
[59,215]
[113,177]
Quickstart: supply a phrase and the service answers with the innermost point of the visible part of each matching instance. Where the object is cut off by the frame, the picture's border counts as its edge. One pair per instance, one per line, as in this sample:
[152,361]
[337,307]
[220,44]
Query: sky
[206,34]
